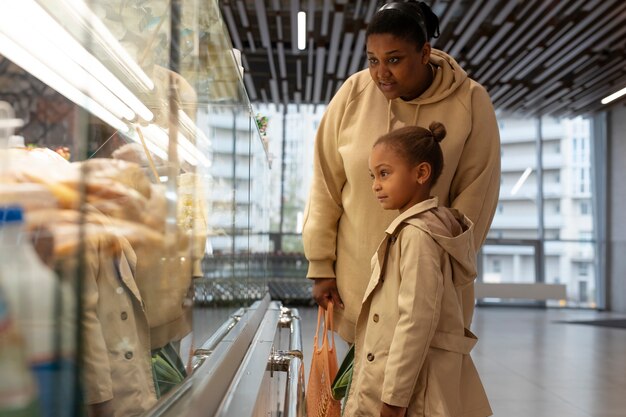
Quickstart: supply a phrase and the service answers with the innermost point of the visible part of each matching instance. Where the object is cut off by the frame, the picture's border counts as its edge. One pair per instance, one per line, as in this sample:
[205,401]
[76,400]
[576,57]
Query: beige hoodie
[343,221]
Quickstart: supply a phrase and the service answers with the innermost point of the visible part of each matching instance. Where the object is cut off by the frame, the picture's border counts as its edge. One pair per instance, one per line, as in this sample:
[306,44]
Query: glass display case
[134,181]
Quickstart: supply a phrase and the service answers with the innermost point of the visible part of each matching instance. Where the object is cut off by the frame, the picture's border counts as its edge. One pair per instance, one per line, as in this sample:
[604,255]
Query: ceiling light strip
[301,31]
[99,32]
[39,70]
[42,47]
[55,33]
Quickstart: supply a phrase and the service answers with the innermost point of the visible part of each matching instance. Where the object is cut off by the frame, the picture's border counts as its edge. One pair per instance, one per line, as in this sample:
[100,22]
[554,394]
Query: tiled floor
[532,365]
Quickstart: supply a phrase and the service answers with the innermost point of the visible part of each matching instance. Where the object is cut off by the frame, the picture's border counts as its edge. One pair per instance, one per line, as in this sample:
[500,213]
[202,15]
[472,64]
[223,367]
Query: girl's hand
[392,411]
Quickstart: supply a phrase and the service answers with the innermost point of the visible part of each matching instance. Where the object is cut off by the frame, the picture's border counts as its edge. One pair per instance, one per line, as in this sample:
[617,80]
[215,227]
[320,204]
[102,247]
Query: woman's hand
[104,409]
[325,289]
[392,411]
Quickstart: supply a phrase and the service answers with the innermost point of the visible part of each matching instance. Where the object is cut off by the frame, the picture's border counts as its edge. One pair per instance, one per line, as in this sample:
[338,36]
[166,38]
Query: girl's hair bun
[438,131]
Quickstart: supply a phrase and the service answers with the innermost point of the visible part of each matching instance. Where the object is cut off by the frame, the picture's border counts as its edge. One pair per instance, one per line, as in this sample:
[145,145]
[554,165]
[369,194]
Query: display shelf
[141,159]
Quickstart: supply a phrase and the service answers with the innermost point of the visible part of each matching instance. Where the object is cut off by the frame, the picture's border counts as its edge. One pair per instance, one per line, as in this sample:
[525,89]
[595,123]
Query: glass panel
[149,177]
[572,264]
[508,263]
[569,247]
[566,217]
[516,215]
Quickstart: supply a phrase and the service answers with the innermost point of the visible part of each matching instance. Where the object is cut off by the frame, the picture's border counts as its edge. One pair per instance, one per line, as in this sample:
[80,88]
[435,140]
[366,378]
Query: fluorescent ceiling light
[158,136]
[97,31]
[152,147]
[301,31]
[22,58]
[39,46]
[614,96]
[48,42]
[56,34]
[522,179]
[46,50]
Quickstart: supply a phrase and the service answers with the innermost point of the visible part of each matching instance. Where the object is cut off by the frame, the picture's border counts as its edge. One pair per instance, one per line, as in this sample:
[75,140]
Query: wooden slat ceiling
[534,56]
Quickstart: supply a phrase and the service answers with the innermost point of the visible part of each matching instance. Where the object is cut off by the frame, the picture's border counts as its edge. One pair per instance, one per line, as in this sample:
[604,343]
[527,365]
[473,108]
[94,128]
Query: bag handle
[328,324]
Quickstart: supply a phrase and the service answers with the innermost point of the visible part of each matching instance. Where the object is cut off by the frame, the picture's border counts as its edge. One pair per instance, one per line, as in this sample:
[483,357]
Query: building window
[557,178]
[500,208]
[583,269]
[584,207]
[497,266]
[582,291]
[557,207]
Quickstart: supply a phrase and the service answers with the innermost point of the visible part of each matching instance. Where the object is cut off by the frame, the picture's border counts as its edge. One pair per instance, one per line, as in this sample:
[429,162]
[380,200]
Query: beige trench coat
[117,358]
[412,349]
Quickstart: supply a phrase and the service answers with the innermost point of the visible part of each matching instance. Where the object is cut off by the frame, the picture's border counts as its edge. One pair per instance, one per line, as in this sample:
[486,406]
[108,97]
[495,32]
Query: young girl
[412,349]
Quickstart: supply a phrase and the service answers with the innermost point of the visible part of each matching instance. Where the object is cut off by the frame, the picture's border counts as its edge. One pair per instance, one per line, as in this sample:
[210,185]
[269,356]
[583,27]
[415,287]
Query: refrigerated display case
[130,146]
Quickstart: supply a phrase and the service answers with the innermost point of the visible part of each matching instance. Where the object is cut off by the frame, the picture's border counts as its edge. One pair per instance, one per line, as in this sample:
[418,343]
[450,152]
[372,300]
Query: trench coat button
[128,355]
[375,318]
[370,357]
[124,315]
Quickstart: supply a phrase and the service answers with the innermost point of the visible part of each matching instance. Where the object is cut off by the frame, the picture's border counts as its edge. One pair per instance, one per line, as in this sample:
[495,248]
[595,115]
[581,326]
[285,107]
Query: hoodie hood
[448,77]
[452,231]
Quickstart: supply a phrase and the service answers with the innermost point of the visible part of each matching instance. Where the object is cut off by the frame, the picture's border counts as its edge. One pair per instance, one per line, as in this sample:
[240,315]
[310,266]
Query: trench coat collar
[380,257]
[421,207]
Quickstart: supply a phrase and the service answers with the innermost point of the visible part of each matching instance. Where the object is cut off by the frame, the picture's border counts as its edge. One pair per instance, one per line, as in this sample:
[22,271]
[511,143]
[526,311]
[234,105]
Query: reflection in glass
[149,183]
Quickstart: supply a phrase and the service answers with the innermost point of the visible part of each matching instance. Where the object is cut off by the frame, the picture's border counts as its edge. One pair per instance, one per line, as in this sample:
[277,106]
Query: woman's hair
[413,21]
[416,145]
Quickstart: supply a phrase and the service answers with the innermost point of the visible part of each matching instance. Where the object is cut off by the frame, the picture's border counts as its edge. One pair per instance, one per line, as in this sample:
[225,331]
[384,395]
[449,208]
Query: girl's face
[396,184]
[397,66]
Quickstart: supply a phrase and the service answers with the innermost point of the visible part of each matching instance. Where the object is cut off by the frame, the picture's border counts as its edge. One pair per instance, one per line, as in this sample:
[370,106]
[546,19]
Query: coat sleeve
[476,185]
[419,307]
[324,206]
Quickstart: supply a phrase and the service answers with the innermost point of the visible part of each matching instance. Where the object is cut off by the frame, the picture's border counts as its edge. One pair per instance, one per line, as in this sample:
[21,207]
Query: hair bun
[438,131]
[432,21]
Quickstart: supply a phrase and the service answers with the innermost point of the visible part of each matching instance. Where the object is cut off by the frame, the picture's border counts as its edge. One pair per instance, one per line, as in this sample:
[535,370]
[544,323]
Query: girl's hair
[413,21]
[416,145]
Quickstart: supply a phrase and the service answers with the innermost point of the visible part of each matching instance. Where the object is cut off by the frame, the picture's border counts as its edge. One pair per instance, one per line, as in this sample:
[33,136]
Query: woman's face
[397,66]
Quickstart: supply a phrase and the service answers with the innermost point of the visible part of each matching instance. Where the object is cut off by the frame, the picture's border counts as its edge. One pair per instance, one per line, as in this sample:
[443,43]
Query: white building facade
[554,213]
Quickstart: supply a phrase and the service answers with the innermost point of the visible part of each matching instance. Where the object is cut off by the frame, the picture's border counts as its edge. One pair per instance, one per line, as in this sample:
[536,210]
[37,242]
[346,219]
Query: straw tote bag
[319,398]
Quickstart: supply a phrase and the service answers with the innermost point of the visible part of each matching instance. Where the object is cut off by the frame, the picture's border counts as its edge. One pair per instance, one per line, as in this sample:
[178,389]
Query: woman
[408,83]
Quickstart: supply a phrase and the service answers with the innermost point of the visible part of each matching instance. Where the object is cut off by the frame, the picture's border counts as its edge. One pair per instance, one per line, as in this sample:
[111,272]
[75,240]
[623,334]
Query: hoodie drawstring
[417,112]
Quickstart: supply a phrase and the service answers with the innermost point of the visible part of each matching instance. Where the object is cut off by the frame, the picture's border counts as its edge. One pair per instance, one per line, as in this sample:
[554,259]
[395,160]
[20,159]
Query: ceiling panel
[534,57]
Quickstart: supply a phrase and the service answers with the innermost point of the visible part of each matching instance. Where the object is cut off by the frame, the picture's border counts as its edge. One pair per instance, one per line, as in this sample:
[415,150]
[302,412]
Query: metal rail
[291,361]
